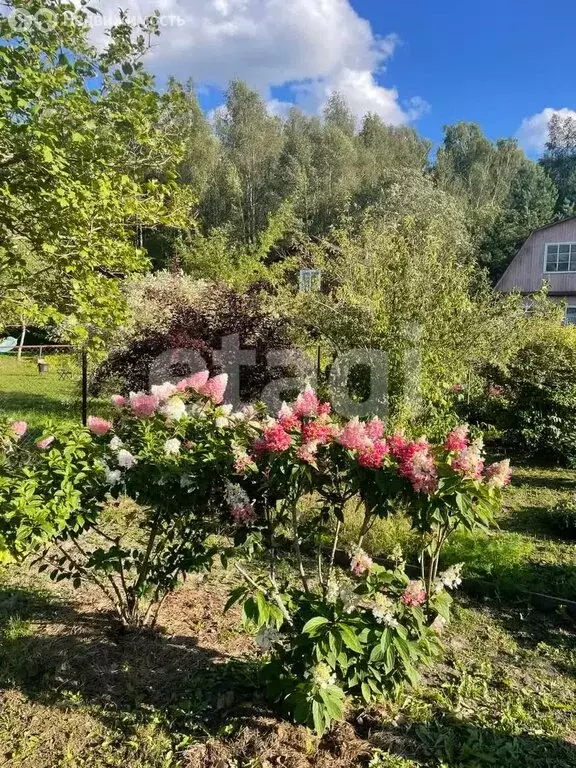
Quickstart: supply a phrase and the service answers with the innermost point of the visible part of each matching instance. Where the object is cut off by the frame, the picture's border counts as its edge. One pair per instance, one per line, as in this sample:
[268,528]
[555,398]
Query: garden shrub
[198,326]
[171,451]
[330,635]
[532,401]
[46,489]
[562,518]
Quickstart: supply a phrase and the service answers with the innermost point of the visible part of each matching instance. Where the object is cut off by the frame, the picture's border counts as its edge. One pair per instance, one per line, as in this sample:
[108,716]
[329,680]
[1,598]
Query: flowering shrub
[44,491]
[365,634]
[171,450]
[326,638]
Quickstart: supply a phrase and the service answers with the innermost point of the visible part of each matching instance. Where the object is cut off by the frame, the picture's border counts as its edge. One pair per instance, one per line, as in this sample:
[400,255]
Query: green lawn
[26,394]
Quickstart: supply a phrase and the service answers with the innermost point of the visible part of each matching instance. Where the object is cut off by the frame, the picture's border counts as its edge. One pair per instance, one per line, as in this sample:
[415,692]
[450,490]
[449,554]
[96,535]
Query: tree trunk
[22,339]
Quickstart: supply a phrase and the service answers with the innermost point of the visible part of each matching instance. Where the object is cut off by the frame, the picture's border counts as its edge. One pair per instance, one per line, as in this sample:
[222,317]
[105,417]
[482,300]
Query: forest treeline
[262,180]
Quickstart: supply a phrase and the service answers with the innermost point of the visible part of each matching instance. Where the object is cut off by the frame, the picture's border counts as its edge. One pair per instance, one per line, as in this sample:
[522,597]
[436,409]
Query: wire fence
[44,383]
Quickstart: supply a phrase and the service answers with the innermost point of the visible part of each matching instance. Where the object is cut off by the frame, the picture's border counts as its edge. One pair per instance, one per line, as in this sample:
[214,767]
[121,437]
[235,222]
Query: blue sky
[487,62]
[414,62]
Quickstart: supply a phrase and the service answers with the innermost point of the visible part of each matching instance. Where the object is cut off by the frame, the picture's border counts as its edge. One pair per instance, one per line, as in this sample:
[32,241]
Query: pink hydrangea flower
[495,390]
[321,432]
[418,466]
[243,514]
[243,462]
[375,429]
[414,594]
[45,443]
[274,439]
[457,388]
[195,382]
[143,405]
[288,418]
[469,462]
[353,436]
[307,452]
[457,440]
[360,562]
[498,474]
[372,454]
[397,444]
[215,387]
[98,426]
[118,401]
[324,409]
[19,429]
[306,403]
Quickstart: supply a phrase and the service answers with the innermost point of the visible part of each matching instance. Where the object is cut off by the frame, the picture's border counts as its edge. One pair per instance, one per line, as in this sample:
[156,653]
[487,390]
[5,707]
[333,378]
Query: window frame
[572,307]
[558,271]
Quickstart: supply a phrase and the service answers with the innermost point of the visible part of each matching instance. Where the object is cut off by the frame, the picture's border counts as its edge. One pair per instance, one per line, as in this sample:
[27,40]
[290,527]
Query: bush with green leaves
[171,451]
[330,636]
[45,490]
[562,518]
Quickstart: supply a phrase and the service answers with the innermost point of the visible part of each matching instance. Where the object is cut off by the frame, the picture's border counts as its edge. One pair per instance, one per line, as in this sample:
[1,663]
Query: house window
[561,257]
[570,317]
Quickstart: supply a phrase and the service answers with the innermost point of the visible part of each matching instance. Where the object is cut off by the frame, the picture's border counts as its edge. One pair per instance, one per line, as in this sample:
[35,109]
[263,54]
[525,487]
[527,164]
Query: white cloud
[313,46]
[533,132]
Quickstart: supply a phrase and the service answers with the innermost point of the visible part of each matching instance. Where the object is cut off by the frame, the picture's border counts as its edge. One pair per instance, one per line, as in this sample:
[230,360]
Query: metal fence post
[84,385]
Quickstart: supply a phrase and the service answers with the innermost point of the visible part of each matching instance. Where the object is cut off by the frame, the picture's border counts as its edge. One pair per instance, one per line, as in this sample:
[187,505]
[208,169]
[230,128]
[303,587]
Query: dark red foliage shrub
[224,312]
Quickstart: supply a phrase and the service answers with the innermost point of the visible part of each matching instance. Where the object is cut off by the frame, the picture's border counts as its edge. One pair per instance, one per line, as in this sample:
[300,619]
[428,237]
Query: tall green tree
[559,160]
[251,142]
[84,164]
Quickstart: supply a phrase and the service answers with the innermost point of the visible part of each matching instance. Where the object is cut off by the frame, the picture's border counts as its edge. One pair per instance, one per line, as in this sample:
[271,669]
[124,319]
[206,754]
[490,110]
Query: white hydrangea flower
[172,447]
[235,495]
[348,597]
[332,589]
[163,391]
[227,409]
[221,422]
[125,459]
[383,610]
[323,675]
[451,577]
[116,443]
[174,409]
[267,637]
[113,476]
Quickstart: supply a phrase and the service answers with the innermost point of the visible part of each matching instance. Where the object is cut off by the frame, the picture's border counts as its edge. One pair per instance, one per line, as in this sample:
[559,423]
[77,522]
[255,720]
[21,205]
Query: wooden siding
[526,271]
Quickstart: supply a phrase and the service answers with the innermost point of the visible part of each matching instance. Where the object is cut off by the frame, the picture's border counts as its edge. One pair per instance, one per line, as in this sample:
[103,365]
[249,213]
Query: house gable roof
[512,266]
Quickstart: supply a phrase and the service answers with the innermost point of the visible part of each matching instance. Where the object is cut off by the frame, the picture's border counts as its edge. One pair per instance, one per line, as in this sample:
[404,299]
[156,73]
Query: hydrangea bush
[45,490]
[329,636]
[170,450]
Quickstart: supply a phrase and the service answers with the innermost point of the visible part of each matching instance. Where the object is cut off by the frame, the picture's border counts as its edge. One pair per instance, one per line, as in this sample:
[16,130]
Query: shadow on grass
[452,742]
[65,655]
[39,404]
[552,482]
[56,655]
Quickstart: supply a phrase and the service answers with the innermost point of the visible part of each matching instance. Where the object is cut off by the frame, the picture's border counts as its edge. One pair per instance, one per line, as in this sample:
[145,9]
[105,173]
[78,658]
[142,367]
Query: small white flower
[221,422]
[323,675]
[172,447]
[267,637]
[227,409]
[116,443]
[383,610]
[174,409]
[348,597]
[451,577]
[235,495]
[125,459]
[113,476]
